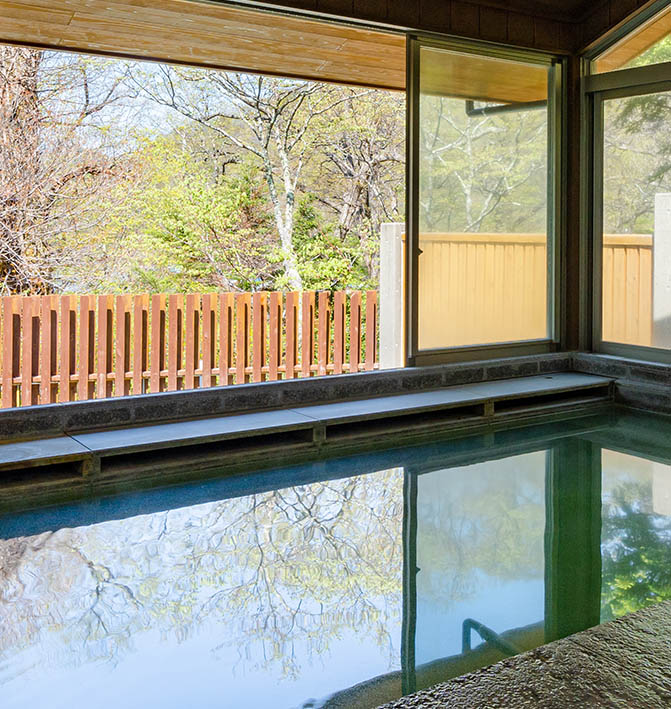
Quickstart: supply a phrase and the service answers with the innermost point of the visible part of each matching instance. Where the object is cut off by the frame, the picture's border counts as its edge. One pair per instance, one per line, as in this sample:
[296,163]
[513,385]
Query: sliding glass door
[482,201]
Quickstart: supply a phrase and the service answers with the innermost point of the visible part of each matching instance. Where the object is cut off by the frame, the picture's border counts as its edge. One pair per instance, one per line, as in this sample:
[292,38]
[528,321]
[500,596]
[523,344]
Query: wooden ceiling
[567,10]
[226,37]
[478,78]
[183,31]
[632,46]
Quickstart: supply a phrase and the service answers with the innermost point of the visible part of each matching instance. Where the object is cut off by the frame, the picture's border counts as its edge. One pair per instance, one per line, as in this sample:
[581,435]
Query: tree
[197,229]
[481,172]
[636,566]
[358,175]
[53,161]
[267,117]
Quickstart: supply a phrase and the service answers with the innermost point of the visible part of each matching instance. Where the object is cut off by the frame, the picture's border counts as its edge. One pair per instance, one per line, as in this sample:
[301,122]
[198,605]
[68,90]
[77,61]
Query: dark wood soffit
[491,20]
[605,17]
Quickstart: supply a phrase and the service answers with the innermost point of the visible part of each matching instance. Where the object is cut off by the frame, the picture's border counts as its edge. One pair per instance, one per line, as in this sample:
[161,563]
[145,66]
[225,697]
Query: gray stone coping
[625,664]
[310,419]
[129,440]
[167,435]
[451,396]
[84,416]
[61,448]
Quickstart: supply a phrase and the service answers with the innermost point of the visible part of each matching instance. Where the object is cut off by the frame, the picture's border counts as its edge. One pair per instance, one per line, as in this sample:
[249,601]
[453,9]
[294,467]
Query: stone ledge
[624,663]
[76,417]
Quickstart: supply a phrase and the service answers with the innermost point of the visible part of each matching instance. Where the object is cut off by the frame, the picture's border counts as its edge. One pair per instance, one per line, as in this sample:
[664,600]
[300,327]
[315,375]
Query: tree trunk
[20,190]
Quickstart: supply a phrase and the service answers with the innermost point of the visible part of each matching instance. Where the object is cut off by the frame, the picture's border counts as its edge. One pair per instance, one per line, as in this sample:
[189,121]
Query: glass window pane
[636,279]
[648,44]
[483,186]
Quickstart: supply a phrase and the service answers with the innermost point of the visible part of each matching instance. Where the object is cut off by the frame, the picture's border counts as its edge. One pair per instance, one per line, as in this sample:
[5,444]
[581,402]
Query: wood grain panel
[221,36]
[632,46]
[481,78]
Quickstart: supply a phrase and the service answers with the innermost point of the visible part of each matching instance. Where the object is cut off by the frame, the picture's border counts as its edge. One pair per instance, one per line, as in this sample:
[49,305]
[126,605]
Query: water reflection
[341,593]
[271,585]
[636,536]
[479,550]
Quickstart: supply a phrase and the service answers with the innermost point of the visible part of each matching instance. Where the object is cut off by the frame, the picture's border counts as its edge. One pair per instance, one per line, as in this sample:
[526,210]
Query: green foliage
[325,261]
[636,554]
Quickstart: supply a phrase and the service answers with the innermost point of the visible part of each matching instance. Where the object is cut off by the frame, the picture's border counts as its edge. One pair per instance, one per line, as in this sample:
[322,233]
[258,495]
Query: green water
[342,583]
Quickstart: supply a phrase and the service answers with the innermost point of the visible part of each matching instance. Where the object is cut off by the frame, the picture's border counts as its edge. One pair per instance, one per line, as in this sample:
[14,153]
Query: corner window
[649,44]
[631,193]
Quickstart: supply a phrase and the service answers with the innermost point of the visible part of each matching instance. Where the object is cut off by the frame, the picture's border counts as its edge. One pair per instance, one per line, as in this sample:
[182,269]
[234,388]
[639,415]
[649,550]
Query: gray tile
[450,396]
[168,434]
[46,449]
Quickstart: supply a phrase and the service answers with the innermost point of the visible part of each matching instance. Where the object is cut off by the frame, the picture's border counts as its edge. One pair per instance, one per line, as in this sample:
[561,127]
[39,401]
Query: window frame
[596,89]
[556,222]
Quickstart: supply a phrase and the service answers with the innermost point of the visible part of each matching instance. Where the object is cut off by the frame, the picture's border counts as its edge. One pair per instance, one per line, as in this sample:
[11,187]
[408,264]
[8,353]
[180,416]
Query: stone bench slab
[191,432]
[451,397]
[43,451]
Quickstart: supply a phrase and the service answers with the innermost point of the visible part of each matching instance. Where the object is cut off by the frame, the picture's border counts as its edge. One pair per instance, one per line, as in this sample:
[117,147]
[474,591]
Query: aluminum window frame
[556,220]
[596,89]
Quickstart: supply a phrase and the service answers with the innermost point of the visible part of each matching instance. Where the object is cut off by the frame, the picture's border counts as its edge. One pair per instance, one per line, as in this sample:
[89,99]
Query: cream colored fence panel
[482,288]
[627,289]
[487,288]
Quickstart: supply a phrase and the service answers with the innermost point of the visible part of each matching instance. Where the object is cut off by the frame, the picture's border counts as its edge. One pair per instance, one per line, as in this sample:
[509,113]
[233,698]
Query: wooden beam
[204,34]
[479,78]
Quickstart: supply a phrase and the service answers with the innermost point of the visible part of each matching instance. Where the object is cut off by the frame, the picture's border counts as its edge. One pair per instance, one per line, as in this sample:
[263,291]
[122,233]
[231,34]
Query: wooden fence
[60,348]
[68,348]
[627,288]
[481,288]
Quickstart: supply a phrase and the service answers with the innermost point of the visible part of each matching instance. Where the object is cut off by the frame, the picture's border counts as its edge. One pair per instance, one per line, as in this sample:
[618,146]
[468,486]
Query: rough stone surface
[625,663]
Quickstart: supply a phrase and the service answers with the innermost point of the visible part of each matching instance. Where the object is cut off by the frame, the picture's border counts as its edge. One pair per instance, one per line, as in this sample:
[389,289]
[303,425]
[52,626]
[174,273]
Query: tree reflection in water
[274,571]
[635,551]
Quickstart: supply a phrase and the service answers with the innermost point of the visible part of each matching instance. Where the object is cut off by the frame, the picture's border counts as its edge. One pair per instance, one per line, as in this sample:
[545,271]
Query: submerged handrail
[487,634]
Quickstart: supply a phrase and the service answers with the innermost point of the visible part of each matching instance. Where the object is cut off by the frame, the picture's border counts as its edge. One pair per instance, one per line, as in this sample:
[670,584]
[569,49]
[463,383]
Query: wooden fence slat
[67,351]
[48,351]
[324,333]
[29,308]
[242,306]
[87,347]
[275,336]
[105,345]
[122,345]
[354,331]
[259,309]
[192,356]
[307,332]
[339,344]
[225,338]
[209,338]
[371,330]
[157,358]
[291,351]
[140,341]
[11,349]
[175,339]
